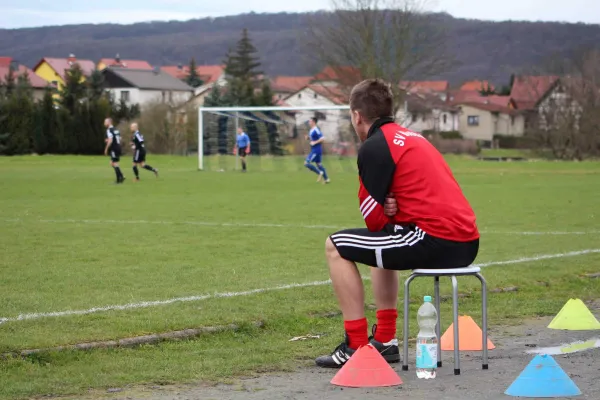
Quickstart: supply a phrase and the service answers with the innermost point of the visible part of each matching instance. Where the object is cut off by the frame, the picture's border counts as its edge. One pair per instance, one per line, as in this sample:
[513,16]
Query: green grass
[71,240]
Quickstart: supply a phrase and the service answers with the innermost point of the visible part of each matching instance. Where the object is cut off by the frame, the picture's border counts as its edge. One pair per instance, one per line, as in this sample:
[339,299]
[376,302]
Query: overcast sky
[28,13]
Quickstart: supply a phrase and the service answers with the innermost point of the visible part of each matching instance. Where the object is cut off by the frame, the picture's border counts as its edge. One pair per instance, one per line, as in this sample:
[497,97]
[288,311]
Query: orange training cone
[469,336]
[366,368]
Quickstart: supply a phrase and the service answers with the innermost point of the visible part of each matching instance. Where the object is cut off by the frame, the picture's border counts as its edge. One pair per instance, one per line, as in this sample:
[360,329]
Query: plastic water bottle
[427,340]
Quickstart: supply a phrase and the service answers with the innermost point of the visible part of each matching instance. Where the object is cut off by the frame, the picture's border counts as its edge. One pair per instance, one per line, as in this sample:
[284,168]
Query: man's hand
[390,208]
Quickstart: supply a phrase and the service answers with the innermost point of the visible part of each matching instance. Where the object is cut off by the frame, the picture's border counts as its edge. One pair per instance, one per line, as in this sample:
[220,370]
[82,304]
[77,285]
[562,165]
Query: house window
[316,96]
[163,96]
[171,97]
[299,95]
[473,120]
[512,120]
[125,95]
[415,117]
[445,118]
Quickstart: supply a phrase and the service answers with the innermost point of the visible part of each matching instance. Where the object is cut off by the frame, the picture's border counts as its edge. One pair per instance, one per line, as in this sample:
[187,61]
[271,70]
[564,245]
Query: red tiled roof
[133,64]
[35,81]
[425,86]
[5,61]
[208,73]
[469,96]
[60,65]
[345,75]
[290,84]
[335,94]
[527,91]
[477,85]
[490,107]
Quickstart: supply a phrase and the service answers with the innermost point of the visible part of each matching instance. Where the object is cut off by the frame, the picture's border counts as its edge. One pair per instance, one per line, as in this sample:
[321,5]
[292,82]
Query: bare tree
[567,121]
[394,40]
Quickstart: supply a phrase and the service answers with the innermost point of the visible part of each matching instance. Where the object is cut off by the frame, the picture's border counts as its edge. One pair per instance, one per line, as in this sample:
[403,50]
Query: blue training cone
[543,377]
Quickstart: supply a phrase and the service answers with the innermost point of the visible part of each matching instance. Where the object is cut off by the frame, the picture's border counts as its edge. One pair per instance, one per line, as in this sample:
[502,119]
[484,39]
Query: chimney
[118,58]
[179,66]
[71,58]
[156,70]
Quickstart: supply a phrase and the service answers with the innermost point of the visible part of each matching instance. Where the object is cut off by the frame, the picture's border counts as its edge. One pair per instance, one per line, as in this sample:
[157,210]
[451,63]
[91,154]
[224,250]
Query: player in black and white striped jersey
[139,155]
[113,144]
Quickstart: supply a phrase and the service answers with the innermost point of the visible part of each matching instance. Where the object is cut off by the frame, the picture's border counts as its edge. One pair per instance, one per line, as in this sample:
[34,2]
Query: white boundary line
[270,225]
[146,304]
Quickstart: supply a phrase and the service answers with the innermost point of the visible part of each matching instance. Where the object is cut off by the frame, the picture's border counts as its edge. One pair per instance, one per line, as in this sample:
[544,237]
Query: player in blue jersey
[243,146]
[316,152]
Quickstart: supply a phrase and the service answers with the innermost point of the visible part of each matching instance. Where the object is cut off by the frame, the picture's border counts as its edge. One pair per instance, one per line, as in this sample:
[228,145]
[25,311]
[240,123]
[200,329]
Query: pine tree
[241,68]
[245,60]
[10,81]
[265,97]
[192,78]
[23,86]
[96,85]
[74,88]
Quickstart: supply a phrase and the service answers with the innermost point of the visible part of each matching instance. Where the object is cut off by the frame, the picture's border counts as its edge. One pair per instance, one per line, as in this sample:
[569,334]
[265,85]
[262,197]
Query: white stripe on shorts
[374,243]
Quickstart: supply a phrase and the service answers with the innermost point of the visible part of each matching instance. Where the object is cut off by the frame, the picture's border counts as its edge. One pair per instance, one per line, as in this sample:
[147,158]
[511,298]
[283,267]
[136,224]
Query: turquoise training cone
[543,377]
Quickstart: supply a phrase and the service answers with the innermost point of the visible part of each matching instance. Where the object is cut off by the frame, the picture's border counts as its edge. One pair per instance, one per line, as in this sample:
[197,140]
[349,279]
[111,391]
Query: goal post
[271,129]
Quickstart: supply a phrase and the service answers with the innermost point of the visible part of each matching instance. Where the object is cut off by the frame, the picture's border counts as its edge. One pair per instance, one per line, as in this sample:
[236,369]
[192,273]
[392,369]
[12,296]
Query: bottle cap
[427,299]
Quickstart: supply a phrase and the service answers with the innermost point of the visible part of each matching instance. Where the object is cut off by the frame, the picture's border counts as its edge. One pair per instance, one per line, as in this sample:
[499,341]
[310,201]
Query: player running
[113,143]
[139,155]
[316,152]
[242,144]
[416,216]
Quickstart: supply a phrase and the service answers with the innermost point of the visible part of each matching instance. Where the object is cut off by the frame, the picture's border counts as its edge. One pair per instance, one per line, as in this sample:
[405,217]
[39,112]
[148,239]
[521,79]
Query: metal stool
[452,273]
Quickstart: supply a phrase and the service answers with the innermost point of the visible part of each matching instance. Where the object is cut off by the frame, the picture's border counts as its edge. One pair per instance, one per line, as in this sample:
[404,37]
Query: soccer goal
[278,135]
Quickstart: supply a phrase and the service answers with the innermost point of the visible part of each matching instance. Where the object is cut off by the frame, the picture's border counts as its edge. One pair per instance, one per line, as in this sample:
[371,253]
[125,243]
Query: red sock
[386,325]
[357,332]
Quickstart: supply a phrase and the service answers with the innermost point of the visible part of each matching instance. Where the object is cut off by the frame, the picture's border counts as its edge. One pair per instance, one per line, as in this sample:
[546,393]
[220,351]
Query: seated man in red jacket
[434,226]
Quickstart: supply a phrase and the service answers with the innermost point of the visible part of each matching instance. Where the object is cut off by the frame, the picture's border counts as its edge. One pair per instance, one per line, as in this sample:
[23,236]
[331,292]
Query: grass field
[72,240]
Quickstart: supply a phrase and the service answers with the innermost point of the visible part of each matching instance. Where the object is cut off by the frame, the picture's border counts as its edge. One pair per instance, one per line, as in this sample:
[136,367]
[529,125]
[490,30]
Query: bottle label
[426,355]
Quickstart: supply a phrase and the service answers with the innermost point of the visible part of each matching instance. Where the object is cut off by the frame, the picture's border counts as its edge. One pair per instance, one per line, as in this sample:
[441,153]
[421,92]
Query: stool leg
[484,362]
[455,317]
[439,318]
[406,308]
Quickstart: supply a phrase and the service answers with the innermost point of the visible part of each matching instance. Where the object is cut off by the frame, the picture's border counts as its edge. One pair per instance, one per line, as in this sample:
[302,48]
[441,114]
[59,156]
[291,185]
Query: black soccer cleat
[390,350]
[338,357]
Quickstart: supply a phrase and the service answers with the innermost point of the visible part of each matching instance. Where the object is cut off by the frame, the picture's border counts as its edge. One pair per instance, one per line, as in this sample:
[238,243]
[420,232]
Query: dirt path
[506,363]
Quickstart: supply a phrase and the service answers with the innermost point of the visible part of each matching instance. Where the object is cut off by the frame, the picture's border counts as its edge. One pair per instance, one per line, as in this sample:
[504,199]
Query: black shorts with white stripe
[403,247]
[139,156]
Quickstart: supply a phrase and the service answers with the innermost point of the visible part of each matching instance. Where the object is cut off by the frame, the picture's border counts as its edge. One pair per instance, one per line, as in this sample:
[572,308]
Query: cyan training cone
[543,377]
[575,316]
[366,368]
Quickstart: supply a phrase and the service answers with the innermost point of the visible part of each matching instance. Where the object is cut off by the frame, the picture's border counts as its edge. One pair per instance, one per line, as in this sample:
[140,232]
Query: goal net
[278,136]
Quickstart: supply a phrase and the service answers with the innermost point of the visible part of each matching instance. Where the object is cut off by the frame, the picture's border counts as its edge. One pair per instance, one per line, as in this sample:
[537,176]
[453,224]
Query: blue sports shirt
[315,134]
[243,140]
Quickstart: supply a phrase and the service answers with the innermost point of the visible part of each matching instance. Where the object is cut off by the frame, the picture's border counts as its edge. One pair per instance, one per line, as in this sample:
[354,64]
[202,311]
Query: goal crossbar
[226,110]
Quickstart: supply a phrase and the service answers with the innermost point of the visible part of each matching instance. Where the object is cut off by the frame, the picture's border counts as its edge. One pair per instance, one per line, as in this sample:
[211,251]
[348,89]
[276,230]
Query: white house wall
[143,97]
[334,122]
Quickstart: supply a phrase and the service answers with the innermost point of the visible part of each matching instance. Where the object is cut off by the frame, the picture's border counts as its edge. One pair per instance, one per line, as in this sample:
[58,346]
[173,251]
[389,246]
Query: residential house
[481,121]
[438,88]
[37,84]
[335,124]
[527,91]
[427,112]
[119,62]
[342,76]
[284,86]
[209,74]
[53,70]
[140,86]
[477,86]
